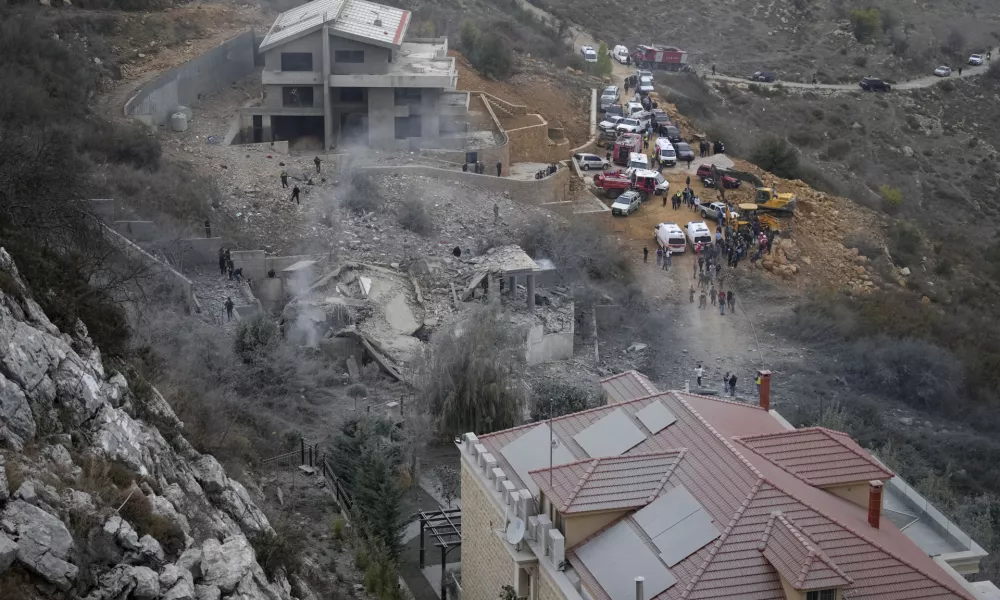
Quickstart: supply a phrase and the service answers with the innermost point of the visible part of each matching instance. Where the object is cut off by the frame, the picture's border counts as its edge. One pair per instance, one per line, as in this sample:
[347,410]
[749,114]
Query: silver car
[590,161]
[942,71]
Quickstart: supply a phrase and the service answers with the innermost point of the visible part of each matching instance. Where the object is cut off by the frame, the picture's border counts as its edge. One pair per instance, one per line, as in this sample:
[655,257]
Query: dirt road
[913,84]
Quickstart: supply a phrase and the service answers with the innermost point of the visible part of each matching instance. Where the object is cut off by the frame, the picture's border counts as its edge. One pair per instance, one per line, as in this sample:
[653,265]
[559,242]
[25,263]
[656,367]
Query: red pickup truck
[647,183]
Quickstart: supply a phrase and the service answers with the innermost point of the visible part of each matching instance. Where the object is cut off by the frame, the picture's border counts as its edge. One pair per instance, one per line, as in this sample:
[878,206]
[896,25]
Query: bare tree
[449,483]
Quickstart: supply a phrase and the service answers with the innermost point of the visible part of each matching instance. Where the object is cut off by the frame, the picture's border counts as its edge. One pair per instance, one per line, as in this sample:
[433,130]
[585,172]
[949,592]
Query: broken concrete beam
[370,347]
[366,286]
[352,369]
[476,281]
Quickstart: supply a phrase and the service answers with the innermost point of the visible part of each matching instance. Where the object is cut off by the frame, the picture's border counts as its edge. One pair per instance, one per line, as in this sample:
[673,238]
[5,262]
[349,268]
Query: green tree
[776,155]
[468,38]
[255,335]
[469,379]
[866,23]
[492,56]
[355,436]
[893,196]
[603,60]
[378,497]
[558,399]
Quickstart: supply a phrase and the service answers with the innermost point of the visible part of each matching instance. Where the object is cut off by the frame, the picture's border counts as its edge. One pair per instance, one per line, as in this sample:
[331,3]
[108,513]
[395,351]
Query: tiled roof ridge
[722,538]
[813,549]
[949,584]
[724,401]
[638,374]
[732,448]
[576,414]
[606,458]
[829,433]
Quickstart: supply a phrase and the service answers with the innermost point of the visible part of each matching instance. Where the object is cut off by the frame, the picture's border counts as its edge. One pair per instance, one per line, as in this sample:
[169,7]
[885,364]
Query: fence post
[302,446]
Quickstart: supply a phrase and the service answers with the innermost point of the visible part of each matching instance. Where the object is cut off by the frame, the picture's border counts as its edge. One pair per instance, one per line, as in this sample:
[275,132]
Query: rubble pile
[81,454]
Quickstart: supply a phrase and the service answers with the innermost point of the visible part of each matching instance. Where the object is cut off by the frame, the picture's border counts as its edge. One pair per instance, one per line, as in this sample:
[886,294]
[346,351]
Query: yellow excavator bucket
[768,199]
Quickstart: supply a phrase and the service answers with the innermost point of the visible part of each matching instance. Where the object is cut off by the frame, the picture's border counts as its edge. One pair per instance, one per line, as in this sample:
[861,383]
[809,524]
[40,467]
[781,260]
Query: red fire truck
[660,57]
[626,143]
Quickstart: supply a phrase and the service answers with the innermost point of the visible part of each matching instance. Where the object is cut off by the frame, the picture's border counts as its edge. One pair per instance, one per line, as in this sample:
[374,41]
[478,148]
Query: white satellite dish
[515,531]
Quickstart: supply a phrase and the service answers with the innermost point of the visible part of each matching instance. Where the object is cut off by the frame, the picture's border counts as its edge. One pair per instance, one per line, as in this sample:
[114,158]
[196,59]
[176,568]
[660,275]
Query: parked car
[711,211]
[976,60]
[874,84]
[942,71]
[638,160]
[684,151]
[588,53]
[671,133]
[640,73]
[591,161]
[645,85]
[608,100]
[610,123]
[626,204]
[614,110]
[620,53]
[765,76]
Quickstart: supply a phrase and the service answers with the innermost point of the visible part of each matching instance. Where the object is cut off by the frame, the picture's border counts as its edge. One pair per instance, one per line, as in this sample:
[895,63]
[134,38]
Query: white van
[620,53]
[665,151]
[698,233]
[669,235]
[633,108]
[588,53]
[638,161]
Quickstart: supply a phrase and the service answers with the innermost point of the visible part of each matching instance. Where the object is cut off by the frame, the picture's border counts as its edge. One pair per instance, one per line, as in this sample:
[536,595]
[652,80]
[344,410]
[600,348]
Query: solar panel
[610,436]
[678,525]
[685,538]
[531,451]
[617,556]
[666,511]
[656,417]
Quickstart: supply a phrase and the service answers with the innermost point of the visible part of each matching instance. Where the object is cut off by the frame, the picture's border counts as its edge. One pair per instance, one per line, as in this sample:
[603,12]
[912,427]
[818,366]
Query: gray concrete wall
[137,231]
[200,251]
[251,261]
[309,43]
[376,58]
[231,61]
[554,188]
[542,348]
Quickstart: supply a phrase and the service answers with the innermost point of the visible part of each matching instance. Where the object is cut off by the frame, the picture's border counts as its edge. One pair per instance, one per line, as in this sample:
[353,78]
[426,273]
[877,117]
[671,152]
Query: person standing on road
[222,261]
[688,159]
[731,301]
[496,213]
[317,162]
[702,303]
[645,253]
[229,309]
[295,194]
[691,294]
[499,168]
[713,68]
[732,385]
[756,382]
[711,294]
[699,372]
[659,256]
[208,228]
[666,258]
[284,179]
[722,303]
[665,201]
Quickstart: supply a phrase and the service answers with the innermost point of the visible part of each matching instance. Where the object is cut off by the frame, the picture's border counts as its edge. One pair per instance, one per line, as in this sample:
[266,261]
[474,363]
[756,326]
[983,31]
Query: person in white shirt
[699,372]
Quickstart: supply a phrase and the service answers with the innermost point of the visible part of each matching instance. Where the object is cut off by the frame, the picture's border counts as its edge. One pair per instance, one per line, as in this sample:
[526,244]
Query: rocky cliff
[101,496]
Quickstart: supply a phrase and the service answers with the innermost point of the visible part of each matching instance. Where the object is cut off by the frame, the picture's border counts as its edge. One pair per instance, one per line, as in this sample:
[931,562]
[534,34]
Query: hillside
[797,38]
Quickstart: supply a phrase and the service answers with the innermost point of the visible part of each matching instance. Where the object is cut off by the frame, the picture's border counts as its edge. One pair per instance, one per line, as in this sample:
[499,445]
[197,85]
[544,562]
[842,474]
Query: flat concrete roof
[422,58]
[511,260]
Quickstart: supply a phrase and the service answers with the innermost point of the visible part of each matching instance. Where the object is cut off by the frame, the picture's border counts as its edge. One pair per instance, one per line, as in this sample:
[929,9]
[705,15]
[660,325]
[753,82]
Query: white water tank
[178,122]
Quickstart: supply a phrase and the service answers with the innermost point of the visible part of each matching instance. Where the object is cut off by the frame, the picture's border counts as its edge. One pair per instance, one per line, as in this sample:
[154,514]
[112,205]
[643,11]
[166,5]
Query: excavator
[768,200]
[749,211]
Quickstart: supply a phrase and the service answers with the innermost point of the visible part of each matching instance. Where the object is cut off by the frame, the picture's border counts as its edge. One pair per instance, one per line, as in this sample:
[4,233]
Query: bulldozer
[768,200]
[747,213]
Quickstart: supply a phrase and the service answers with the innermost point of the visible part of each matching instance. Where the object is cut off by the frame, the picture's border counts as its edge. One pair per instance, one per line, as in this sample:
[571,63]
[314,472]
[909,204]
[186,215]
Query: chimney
[765,389]
[639,595]
[874,502]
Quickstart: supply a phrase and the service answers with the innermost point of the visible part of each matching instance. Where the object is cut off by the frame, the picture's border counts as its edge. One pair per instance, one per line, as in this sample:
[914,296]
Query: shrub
[131,145]
[413,216]
[492,56]
[338,528]
[138,511]
[948,86]
[993,72]
[912,371]
[892,196]
[776,155]
[279,550]
[603,66]
[866,23]
[468,38]
[255,335]
[555,399]
[469,379]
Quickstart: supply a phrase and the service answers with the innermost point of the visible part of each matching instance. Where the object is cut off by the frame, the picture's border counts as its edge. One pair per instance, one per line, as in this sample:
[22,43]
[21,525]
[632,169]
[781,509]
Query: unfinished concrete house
[339,71]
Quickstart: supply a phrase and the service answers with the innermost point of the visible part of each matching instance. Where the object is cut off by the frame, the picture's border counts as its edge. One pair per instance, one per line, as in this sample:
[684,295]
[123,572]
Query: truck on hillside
[646,182]
[660,57]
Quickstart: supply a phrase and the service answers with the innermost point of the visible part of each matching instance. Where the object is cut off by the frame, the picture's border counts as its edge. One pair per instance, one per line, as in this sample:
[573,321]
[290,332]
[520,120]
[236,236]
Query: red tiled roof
[820,457]
[614,483]
[797,558]
[740,489]
[627,386]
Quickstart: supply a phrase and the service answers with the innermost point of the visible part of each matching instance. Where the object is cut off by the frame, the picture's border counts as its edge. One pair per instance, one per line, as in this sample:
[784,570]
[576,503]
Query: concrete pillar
[530,284]
[325,78]
[512,286]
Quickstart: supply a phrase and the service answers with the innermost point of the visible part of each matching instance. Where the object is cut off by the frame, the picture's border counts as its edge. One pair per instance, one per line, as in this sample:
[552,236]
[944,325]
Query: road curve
[912,84]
